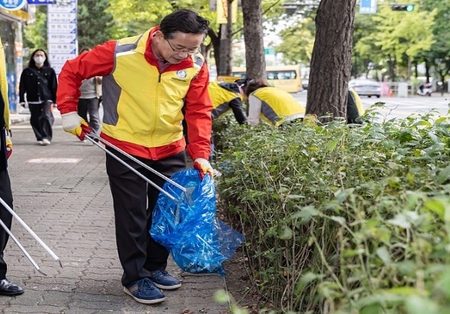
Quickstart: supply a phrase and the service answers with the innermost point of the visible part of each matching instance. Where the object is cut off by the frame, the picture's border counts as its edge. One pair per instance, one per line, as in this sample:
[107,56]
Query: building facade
[11,24]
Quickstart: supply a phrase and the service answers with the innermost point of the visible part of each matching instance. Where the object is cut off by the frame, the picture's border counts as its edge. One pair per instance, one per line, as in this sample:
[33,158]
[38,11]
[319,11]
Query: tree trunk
[427,71]
[215,40]
[331,58]
[253,37]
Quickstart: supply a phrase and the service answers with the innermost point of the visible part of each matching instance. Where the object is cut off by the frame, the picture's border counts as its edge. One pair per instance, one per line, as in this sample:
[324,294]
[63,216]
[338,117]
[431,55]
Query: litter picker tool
[31,232]
[93,138]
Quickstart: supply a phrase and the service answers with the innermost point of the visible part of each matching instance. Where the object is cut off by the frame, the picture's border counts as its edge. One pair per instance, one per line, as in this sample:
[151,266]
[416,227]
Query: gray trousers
[90,106]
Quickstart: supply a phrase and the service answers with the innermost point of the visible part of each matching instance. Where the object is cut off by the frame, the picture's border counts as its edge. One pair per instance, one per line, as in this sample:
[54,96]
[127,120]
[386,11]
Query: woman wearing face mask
[37,87]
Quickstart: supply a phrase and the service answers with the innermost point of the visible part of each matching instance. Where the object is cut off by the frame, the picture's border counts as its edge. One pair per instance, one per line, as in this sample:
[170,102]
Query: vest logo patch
[181,74]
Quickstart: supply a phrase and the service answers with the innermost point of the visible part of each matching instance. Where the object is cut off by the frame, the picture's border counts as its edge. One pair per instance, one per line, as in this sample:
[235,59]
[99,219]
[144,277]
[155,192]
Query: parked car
[305,83]
[366,87]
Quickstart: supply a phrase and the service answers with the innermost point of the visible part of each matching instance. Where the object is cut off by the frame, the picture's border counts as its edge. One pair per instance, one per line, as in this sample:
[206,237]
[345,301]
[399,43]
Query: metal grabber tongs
[32,234]
[94,139]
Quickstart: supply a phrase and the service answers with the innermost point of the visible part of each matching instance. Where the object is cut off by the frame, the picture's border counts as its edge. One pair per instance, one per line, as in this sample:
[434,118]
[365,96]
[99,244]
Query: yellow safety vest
[358,102]
[278,106]
[4,87]
[220,98]
[142,106]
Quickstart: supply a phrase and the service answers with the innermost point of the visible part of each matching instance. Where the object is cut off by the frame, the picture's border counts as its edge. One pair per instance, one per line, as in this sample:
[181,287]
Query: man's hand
[8,144]
[73,123]
[203,166]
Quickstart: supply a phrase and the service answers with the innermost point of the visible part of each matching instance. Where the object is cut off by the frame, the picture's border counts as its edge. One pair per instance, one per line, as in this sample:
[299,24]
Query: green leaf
[420,305]
[286,233]
[372,309]
[437,206]
[342,195]
[305,213]
[305,280]
[443,175]
[295,197]
[407,291]
[338,219]
[384,255]
[445,284]
[332,145]
[401,221]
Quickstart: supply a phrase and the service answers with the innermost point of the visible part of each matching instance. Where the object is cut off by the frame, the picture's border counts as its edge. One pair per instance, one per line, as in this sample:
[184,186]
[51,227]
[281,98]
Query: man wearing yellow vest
[273,105]
[151,83]
[226,96]
[6,287]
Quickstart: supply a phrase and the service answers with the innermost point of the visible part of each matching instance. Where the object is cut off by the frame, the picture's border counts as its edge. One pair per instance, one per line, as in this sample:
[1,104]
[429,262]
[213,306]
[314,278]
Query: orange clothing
[100,61]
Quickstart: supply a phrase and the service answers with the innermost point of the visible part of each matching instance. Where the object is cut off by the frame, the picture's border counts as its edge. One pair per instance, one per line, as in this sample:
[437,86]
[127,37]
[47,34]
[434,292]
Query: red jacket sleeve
[97,62]
[198,116]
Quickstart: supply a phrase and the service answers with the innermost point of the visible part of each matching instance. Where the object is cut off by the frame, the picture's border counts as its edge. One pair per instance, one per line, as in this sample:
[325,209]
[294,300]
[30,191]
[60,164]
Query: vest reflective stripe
[278,106]
[142,106]
[221,98]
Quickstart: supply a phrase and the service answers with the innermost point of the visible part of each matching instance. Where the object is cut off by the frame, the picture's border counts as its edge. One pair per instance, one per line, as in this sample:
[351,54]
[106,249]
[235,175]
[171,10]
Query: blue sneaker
[163,280]
[144,291]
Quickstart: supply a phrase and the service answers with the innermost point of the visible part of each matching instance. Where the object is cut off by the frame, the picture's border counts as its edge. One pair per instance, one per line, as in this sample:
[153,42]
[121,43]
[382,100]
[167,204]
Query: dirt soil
[239,284]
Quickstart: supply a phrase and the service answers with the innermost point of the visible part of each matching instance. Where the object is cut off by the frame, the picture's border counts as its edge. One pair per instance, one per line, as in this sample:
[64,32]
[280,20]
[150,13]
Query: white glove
[8,144]
[73,123]
[203,166]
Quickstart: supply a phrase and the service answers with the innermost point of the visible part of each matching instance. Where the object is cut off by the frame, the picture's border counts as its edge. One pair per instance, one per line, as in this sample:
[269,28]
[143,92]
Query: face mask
[39,60]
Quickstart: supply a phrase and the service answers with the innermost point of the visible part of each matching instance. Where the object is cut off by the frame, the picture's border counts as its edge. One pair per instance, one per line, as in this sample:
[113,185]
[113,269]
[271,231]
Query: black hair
[33,63]
[242,83]
[84,49]
[184,21]
[253,85]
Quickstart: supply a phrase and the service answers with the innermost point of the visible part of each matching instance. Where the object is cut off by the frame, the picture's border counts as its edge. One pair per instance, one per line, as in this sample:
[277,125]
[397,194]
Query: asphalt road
[401,107]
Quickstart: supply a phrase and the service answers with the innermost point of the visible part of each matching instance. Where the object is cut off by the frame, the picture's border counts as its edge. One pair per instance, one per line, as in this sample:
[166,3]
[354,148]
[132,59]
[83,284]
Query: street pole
[223,49]
[225,42]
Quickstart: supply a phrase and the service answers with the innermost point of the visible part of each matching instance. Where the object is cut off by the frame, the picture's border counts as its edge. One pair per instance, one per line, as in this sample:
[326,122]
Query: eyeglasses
[183,50]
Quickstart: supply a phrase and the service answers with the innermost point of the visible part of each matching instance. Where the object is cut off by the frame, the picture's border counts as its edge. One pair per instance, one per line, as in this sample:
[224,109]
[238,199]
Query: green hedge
[341,218]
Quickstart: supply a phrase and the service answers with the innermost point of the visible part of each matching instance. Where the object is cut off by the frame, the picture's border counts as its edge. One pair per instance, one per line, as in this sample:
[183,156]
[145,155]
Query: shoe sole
[167,287]
[143,301]
[11,294]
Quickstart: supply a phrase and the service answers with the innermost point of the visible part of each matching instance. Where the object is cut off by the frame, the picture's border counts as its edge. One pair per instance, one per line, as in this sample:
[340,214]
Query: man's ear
[158,34]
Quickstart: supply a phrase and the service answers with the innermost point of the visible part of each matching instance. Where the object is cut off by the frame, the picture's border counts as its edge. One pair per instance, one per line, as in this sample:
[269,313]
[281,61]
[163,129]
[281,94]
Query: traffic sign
[12,5]
[41,2]
[62,33]
[368,7]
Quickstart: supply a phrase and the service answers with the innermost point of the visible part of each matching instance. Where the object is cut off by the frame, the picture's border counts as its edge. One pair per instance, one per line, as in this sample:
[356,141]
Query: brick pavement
[69,206]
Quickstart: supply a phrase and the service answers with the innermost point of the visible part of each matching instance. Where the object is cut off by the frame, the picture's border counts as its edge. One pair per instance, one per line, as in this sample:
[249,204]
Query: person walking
[226,96]
[271,104]
[6,287]
[89,102]
[151,83]
[39,83]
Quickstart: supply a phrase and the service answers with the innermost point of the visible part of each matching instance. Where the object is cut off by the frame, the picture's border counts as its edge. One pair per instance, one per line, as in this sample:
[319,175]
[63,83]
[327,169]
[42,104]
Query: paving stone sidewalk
[61,191]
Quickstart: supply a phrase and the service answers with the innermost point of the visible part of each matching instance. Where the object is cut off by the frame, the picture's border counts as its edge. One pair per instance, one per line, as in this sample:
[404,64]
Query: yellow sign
[227,79]
[222,11]
[19,13]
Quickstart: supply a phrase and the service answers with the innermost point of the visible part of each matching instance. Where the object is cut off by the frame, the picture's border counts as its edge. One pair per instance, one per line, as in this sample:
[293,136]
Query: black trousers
[134,200]
[5,216]
[42,120]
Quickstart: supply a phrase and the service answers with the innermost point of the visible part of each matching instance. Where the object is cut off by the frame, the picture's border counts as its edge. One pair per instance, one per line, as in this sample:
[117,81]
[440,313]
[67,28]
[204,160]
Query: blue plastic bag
[198,241]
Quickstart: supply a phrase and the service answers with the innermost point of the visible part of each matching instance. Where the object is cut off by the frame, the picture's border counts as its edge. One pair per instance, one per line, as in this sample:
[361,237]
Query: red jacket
[198,106]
